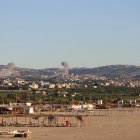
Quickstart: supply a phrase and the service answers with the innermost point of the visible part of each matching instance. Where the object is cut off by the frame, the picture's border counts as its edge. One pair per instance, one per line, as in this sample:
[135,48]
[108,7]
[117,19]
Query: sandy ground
[125,127]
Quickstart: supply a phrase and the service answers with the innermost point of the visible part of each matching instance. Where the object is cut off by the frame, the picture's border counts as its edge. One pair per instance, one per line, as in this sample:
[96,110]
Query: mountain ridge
[111,71]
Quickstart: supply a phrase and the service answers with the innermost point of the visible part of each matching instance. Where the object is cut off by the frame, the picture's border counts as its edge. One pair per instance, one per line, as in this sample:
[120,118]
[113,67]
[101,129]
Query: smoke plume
[7,70]
[66,66]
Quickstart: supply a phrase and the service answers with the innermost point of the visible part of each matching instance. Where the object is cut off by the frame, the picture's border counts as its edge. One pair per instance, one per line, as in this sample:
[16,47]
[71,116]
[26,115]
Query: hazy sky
[85,33]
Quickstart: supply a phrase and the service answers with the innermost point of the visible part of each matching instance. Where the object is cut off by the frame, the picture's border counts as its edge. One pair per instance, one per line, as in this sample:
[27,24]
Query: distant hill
[111,71]
[120,71]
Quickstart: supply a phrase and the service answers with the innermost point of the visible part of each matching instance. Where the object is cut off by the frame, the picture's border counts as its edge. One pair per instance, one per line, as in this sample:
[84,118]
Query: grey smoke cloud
[8,70]
[66,66]
[10,66]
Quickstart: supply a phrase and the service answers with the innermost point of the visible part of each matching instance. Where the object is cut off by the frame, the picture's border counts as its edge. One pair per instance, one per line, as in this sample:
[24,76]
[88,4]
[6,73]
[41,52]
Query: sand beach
[124,127]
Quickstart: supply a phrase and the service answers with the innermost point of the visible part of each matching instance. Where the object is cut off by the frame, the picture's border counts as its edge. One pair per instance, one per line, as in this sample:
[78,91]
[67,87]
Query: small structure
[5,109]
[16,108]
[51,120]
[15,133]
[99,102]
[80,119]
[22,108]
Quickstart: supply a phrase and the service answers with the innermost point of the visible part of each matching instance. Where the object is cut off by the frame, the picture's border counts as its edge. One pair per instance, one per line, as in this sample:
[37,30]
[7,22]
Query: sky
[85,33]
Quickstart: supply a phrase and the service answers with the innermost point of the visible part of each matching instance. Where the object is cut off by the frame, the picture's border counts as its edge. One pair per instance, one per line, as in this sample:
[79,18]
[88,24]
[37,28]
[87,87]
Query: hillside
[111,71]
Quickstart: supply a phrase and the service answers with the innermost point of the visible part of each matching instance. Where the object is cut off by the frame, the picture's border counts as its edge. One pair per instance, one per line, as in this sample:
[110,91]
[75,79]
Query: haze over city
[91,33]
